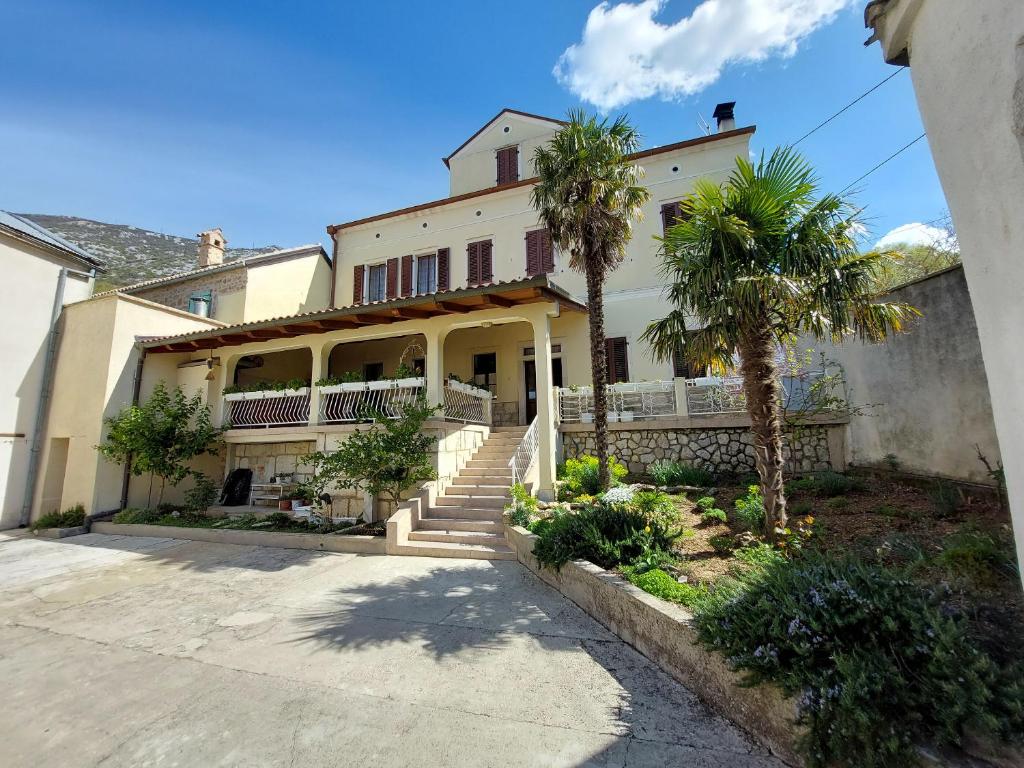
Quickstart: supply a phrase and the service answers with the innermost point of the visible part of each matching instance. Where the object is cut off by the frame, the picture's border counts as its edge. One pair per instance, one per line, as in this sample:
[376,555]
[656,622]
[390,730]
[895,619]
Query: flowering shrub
[875,662]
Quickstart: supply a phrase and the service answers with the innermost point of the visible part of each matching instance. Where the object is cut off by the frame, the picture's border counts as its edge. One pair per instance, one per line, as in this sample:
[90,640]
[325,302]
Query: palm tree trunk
[762,389]
[599,368]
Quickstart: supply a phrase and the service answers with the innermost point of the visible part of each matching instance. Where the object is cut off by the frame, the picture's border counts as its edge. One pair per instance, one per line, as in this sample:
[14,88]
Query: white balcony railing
[464,402]
[286,408]
[358,401]
[627,401]
[715,394]
[525,454]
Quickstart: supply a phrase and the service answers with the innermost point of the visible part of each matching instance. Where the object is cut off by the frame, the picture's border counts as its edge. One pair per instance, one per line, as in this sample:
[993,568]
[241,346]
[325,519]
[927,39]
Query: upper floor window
[618,360]
[508,165]
[540,255]
[426,274]
[376,282]
[479,263]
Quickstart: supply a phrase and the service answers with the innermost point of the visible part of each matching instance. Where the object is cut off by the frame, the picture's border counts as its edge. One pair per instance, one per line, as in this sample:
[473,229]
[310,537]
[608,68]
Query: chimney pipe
[725,116]
[211,247]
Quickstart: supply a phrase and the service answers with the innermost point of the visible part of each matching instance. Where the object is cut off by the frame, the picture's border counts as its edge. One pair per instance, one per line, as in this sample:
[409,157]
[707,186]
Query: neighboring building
[275,284]
[42,272]
[967,64]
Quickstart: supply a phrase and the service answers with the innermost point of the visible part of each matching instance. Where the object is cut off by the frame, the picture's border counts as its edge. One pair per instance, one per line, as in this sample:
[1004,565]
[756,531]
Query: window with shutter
[442,269]
[375,282]
[670,214]
[392,278]
[681,367]
[407,275]
[618,364]
[426,274]
[540,255]
[508,165]
[479,263]
[357,283]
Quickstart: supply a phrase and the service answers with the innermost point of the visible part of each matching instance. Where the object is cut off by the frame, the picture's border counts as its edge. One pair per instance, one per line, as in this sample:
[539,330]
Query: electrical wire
[894,155]
[841,111]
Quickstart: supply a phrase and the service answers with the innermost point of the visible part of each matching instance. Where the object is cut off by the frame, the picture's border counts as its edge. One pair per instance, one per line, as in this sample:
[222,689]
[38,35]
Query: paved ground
[119,651]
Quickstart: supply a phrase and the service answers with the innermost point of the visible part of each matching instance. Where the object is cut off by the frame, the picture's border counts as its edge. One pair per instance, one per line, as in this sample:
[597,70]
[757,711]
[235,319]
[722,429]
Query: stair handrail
[525,453]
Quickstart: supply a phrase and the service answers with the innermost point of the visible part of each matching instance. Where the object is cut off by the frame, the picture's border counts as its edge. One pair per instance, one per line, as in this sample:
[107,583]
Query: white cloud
[913,234]
[627,55]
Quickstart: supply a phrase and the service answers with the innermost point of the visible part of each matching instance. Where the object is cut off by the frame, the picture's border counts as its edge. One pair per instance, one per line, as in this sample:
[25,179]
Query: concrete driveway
[120,651]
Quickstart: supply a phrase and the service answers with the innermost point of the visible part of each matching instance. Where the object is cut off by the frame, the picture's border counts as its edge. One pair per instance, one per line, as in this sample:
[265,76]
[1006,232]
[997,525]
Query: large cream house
[465,293]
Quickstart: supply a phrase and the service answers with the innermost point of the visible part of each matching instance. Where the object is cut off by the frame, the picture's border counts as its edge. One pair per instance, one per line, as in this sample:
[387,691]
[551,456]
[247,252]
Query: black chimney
[725,116]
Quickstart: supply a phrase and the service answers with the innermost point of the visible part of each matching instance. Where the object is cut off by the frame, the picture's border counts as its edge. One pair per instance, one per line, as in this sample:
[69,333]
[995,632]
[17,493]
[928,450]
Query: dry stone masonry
[722,450]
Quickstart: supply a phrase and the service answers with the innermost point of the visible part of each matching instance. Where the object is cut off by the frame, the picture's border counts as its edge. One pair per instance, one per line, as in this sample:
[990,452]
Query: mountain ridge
[132,254]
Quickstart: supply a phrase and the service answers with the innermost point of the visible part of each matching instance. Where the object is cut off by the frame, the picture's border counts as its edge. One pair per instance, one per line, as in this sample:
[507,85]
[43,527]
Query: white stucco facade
[967,64]
[28,294]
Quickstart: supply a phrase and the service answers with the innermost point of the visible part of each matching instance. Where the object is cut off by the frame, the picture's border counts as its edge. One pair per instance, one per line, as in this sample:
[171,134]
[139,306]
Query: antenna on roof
[704,124]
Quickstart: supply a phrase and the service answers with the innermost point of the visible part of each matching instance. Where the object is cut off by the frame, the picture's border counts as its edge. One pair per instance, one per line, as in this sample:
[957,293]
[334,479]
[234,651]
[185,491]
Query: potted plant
[295,388]
[406,377]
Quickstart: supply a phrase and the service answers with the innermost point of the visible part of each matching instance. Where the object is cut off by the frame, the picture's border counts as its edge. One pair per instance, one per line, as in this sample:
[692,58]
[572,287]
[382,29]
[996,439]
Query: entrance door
[530,381]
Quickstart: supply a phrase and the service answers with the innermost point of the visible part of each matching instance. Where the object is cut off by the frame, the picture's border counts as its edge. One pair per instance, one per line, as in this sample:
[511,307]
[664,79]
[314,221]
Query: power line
[895,154]
[837,114]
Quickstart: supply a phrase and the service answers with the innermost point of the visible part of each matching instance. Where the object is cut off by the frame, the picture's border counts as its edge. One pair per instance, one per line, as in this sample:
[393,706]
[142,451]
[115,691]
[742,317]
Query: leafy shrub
[620,494]
[522,508]
[838,502]
[656,505]
[660,584]
[805,483]
[875,662]
[802,508]
[946,498]
[759,555]
[579,476]
[830,484]
[980,556]
[138,516]
[72,517]
[201,496]
[606,536]
[676,473]
[279,520]
[750,509]
[721,544]
[709,516]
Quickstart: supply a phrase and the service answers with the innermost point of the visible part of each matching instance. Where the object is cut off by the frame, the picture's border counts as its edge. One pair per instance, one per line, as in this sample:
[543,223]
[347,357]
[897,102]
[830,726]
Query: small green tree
[161,437]
[385,460]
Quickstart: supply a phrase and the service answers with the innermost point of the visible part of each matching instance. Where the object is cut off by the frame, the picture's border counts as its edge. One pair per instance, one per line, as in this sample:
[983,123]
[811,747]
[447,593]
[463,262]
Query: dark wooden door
[530,384]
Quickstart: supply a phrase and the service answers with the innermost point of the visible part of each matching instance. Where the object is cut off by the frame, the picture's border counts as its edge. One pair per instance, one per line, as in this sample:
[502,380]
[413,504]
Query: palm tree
[757,262]
[587,196]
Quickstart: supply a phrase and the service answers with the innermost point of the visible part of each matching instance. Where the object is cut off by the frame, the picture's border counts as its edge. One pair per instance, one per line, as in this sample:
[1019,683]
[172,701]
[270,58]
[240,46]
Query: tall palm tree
[756,262]
[588,196]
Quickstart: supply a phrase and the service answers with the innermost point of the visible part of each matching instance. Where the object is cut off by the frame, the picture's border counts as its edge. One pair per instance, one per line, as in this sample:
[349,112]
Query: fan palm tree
[755,263]
[587,196]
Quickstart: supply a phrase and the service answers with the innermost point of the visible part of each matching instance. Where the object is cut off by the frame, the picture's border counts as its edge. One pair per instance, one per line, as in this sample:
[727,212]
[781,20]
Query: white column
[545,407]
[682,404]
[434,365]
[321,354]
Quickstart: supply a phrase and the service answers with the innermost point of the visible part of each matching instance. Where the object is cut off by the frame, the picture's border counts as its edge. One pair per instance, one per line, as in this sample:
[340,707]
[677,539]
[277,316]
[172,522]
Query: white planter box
[587,418]
[374,385]
[231,396]
[625,415]
[613,417]
[253,395]
[301,392]
[414,381]
[274,394]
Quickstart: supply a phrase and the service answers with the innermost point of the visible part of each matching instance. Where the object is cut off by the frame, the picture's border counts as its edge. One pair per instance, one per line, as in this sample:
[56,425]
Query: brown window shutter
[473,263]
[442,269]
[533,253]
[508,165]
[391,286]
[670,214]
[407,275]
[486,265]
[681,367]
[547,252]
[618,365]
[357,283]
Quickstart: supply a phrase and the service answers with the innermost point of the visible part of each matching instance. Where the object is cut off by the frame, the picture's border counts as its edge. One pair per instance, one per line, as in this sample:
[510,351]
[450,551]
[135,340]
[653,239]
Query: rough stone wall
[504,414]
[177,294]
[722,449]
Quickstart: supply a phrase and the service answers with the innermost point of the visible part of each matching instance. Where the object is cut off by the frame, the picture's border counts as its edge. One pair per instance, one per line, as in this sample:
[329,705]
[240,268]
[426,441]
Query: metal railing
[464,402]
[715,394]
[525,454]
[627,401]
[268,409]
[358,401]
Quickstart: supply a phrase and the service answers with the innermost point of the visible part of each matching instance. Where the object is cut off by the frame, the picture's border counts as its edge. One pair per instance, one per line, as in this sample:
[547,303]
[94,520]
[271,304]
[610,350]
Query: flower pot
[285,505]
[587,418]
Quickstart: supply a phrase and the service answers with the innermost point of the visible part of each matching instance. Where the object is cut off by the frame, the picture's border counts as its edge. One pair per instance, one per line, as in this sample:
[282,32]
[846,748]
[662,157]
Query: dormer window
[508,165]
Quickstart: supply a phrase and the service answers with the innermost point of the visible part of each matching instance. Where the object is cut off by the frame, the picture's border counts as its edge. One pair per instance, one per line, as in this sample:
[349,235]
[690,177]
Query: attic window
[508,165]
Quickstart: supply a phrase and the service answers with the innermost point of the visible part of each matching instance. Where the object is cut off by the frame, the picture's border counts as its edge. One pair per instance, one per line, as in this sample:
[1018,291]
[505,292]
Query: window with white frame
[426,274]
[376,281]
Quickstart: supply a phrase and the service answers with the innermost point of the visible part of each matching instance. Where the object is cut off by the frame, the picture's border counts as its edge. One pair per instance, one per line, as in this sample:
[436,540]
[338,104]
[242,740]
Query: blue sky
[272,120]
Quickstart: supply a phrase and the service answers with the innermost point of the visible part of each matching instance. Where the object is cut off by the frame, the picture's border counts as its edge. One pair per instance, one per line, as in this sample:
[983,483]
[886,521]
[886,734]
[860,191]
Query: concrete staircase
[467,520]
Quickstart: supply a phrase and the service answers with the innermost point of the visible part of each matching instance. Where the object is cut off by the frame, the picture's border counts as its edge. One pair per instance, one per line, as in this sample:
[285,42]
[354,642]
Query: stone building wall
[177,294]
[723,450]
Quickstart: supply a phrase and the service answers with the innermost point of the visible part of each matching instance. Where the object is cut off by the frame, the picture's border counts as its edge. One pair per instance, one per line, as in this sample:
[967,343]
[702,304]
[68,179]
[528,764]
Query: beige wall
[927,387]
[287,287]
[94,379]
[475,166]
[27,295]
[229,289]
[967,64]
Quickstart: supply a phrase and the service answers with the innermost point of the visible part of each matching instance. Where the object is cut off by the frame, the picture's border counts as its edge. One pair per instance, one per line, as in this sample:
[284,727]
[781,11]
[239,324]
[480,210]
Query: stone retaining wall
[723,449]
